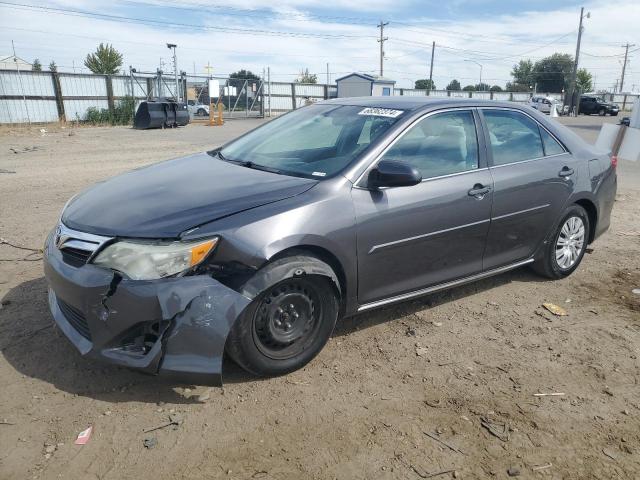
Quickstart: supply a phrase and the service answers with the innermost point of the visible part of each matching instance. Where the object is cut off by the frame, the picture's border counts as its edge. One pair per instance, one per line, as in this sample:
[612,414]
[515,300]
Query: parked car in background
[199,109]
[542,104]
[591,104]
[259,247]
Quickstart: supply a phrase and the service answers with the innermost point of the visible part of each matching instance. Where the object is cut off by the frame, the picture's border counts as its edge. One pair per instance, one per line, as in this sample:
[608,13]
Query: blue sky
[308,34]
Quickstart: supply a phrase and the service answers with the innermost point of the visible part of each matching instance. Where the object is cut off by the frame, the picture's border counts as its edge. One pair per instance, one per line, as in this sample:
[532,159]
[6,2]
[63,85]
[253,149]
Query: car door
[413,237]
[533,176]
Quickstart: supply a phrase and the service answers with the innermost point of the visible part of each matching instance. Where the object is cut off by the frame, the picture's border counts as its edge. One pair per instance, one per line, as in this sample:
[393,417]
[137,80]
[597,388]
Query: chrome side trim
[442,286]
[521,211]
[425,235]
[493,167]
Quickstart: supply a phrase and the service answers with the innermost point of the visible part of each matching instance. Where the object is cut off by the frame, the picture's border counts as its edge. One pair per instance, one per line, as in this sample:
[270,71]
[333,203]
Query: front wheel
[201,112]
[565,250]
[285,326]
[602,112]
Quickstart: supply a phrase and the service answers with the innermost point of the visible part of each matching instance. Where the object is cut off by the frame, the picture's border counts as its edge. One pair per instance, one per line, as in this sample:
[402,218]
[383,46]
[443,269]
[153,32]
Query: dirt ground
[402,392]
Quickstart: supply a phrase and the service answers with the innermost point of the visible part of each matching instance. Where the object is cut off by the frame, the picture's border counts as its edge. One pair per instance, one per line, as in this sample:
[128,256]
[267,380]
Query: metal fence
[624,100]
[42,97]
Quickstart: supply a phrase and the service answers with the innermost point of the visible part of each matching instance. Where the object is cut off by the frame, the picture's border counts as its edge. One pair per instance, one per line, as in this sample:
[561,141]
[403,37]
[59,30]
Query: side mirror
[389,173]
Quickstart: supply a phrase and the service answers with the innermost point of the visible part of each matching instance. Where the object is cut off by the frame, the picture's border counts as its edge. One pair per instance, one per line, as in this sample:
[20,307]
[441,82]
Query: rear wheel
[285,326]
[564,252]
[202,112]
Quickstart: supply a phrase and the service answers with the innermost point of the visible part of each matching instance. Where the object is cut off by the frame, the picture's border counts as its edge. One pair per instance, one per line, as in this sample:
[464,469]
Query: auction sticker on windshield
[380,112]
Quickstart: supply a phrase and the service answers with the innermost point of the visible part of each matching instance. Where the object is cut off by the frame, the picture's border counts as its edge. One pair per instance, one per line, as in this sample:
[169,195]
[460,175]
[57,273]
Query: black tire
[547,265]
[201,112]
[602,112]
[614,114]
[260,347]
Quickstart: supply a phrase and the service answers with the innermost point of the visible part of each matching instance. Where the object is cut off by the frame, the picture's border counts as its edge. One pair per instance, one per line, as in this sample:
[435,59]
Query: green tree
[553,74]
[523,76]
[495,88]
[469,88]
[482,87]
[53,67]
[517,87]
[244,75]
[453,85]
[425,84]
[106,60]
[37,66]
[584,80]
[306,77]
[237,80]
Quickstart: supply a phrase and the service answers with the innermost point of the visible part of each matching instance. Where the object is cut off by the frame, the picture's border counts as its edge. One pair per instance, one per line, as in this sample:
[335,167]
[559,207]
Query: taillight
[614,161]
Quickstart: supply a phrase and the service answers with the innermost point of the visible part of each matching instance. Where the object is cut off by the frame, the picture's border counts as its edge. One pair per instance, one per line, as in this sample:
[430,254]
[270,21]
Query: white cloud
[494,42]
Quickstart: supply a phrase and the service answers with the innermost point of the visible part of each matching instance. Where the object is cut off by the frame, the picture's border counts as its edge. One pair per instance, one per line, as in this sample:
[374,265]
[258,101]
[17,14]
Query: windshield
[316,141]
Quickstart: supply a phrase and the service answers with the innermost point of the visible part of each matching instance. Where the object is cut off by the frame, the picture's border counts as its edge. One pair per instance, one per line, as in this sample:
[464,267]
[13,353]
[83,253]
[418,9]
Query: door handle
[565,172]
[479,191]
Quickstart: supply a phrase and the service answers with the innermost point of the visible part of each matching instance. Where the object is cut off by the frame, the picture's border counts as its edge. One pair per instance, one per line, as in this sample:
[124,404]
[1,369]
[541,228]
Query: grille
[75,318]
[74,256]
[77,247]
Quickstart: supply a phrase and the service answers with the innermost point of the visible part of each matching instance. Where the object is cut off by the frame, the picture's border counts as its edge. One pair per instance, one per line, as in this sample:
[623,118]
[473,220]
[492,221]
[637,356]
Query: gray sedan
[259,247]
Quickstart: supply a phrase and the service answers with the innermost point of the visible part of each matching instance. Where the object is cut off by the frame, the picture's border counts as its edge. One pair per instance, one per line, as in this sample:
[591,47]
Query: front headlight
[152,260]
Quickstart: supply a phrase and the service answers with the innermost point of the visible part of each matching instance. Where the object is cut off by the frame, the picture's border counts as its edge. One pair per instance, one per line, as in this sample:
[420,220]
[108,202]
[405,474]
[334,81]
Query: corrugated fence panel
[19,111]
[83,85]
[26,83]
[307,90]
[279,88]
[77,109]
[521,97]
[333,92]
[501,96]
[481,95]
[122,87]
[409,92]
[459,94]
[281,103]
[438,93]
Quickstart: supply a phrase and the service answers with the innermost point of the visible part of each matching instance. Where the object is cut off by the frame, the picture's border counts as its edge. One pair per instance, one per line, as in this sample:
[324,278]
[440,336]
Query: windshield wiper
[249,164]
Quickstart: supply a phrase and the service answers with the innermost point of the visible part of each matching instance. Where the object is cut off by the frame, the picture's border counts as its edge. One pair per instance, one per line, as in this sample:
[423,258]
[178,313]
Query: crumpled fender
[289,267]
[202,312]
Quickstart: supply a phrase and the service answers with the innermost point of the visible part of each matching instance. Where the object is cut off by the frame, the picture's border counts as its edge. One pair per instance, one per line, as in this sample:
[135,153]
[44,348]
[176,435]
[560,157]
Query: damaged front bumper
[175,326]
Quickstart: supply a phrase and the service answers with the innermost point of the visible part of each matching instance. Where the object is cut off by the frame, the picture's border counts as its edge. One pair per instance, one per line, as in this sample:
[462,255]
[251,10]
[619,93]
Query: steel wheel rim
[570,242]
[286,320]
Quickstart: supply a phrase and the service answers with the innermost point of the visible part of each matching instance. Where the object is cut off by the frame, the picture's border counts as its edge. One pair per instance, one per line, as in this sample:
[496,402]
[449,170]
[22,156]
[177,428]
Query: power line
[144,21]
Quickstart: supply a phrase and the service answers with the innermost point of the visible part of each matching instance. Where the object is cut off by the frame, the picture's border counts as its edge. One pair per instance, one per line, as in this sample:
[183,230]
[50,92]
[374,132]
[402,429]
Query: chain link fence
[28,97]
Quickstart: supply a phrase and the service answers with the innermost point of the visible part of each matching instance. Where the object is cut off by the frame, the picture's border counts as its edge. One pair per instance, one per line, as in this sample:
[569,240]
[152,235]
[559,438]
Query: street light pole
[175,69]
[574,73]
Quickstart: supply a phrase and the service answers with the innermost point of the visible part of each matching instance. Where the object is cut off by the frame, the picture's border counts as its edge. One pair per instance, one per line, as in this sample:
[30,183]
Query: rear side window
[514,136]
[441,144]
[551,145]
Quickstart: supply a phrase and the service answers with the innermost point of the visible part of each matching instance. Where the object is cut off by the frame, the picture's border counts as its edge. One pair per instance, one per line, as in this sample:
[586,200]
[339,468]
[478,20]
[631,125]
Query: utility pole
[433,50]
[175,69]
[327,73]
[381,41]
[624,65]
[572,88]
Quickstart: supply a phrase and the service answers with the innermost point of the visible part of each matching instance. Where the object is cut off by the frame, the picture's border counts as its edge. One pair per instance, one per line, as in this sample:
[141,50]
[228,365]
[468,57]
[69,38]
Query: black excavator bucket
[161,113]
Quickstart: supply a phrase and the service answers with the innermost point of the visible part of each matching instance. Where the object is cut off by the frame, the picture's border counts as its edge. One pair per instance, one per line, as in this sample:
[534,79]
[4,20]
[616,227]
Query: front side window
[316,141]
[514,136]
[441,144]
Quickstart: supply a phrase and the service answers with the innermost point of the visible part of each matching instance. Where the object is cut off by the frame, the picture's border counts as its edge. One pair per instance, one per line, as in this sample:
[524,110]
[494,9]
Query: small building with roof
[364,85]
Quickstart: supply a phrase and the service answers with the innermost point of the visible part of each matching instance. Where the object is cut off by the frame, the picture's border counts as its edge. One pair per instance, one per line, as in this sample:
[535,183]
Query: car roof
[417,103]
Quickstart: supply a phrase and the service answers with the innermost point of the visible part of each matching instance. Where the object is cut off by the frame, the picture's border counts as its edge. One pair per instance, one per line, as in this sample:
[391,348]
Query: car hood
[165,199]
